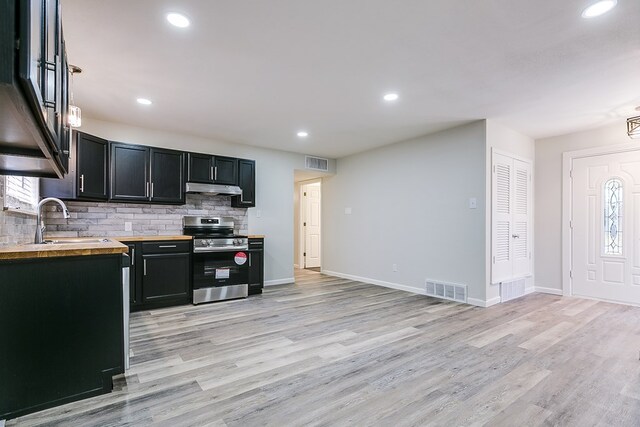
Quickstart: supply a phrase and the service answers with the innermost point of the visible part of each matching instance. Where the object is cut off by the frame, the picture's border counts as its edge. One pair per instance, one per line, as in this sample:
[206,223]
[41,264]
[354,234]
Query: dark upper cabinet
[88,171]
[200,168]
[208,169]
[247,182]
[144,174]
[33,89]
[225,170]
[92,167]
[167,176]
[129,172]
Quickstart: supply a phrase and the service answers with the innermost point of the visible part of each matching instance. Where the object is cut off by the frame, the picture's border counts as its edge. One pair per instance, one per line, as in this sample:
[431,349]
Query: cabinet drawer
[256,244]
[166,247]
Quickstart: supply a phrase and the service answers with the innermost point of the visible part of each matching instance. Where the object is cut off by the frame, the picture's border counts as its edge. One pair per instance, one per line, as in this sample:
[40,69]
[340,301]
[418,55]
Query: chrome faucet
[40,227]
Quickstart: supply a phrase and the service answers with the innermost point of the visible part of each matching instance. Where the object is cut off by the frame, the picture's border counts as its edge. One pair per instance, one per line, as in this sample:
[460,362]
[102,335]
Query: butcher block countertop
[256,236]
[150,238]
[72,247]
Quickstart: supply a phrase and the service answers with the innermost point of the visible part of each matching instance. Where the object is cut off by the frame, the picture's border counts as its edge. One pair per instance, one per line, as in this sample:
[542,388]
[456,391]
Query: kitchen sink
[75,241]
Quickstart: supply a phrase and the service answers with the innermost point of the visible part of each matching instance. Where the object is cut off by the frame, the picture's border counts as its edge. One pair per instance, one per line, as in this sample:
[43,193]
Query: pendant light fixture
[75,114]
[633,126]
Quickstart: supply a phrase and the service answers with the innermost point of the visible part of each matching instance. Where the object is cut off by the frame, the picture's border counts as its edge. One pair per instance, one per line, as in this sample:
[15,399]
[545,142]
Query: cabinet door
[91,157]
[134,291]
[256,268]
[247,182]
[129,172]
[165,277]
[167,176]
[200,168]
[225,170]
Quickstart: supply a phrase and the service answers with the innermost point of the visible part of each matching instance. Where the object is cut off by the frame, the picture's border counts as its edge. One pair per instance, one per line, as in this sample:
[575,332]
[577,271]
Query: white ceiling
[256,71]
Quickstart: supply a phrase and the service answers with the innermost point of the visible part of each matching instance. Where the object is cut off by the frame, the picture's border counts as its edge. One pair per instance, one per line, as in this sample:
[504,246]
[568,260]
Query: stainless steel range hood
[213,189]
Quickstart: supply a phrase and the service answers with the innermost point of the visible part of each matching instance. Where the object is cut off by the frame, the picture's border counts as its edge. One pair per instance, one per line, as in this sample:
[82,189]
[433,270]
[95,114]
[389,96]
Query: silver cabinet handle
[211,173]
[152,190]
[144,266]
[215,173]
[249,259]
[133,256]
[146,191]
[168,246]
[82,183]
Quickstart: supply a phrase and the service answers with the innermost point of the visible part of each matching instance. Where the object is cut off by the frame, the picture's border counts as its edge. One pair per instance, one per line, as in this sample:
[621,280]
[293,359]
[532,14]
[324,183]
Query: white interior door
[511,207]
[312,207]
[605,227]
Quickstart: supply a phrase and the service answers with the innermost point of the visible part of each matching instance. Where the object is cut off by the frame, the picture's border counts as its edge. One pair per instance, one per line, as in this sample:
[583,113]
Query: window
[613,217]
[21,193]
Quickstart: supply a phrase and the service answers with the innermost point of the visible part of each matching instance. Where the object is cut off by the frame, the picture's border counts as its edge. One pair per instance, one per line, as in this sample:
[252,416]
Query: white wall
[274,184]
[506,140]
[548,196]
[409,206]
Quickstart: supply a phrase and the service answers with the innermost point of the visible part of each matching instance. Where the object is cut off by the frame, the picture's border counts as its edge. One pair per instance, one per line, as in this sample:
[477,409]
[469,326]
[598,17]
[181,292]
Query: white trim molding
[482,303]
[276,282]
[567,192]
[552,291]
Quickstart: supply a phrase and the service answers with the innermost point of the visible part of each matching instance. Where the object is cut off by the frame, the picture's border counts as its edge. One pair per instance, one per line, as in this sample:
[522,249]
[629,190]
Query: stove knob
[236,242]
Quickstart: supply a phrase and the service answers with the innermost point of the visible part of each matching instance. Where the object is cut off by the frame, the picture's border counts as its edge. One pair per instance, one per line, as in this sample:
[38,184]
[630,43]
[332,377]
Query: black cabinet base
[255,290]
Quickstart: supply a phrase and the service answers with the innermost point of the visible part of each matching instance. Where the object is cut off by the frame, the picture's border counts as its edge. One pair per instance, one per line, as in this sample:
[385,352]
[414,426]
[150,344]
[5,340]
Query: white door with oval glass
[605,227]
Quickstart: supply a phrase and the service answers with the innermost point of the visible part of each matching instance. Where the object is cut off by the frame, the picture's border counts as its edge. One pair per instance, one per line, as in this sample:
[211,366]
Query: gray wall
[15,228]
[548,196]
[410,207]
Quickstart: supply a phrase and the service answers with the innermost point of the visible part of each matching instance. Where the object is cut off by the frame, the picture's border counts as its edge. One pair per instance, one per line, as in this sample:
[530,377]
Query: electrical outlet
[473,203]
[128,226]
[394,267]
[347,211]
[258,213]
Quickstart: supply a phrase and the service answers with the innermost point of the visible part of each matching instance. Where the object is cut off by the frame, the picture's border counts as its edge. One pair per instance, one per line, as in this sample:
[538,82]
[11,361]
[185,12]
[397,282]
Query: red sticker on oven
[240,258]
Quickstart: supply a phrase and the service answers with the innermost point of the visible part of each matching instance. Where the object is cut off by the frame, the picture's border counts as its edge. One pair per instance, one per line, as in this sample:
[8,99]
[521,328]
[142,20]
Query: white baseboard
[296,266]
[551,291]
[376,282]
[483,303]
[279,282]
[530,290]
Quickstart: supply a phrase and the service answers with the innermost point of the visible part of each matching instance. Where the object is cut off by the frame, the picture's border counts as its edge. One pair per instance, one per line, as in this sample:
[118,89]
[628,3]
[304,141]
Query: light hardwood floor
[329,351]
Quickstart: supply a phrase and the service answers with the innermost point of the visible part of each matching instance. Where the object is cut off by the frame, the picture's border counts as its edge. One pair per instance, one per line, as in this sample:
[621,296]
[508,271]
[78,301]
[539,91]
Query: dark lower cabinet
[256,265]
[160,274]
[247,182]
[61,330]
[165,278]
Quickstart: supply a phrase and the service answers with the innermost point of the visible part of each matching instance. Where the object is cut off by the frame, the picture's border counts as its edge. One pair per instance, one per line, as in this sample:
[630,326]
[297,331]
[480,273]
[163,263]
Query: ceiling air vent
[316,163]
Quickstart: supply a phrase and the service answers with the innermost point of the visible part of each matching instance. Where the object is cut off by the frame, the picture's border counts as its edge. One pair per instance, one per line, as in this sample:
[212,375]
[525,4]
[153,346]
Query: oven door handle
[222,249]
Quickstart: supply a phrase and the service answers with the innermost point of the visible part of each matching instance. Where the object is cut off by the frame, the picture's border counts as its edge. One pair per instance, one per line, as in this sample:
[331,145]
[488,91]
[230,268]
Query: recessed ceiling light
[599,8]
[144,101]
[302,134]
[391,97]
[178,20]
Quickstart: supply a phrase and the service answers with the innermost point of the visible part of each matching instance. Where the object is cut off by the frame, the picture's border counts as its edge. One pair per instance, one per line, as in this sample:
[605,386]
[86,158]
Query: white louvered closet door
[511,219]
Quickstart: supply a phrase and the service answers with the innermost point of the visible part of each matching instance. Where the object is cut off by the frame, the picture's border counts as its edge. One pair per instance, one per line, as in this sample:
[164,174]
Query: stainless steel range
[220,267]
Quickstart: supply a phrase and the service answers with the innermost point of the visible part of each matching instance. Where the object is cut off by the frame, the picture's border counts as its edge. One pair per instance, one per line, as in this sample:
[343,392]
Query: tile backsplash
[15,228]
[97,219]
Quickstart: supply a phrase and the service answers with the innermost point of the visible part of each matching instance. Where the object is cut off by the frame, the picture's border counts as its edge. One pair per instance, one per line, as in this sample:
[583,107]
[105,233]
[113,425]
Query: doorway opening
[308,224]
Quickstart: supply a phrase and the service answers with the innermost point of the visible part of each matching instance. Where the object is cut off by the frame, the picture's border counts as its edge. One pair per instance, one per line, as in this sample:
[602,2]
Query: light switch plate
[347,211]
[258,213]
[128,226]
[473,203]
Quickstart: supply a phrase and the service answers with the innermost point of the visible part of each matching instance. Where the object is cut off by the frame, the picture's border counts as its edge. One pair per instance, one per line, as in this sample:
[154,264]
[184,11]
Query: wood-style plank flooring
[329,351]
